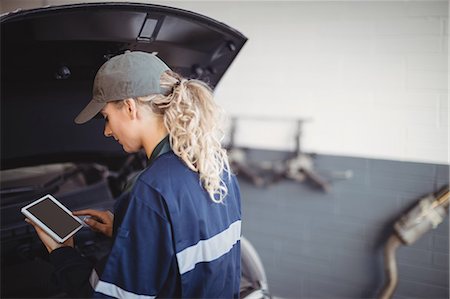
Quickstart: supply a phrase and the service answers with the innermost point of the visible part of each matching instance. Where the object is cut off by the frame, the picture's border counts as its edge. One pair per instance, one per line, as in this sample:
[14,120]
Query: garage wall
[371,76]
[330,245]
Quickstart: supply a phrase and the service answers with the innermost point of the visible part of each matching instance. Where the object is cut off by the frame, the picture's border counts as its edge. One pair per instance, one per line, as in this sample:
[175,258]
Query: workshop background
[370,81]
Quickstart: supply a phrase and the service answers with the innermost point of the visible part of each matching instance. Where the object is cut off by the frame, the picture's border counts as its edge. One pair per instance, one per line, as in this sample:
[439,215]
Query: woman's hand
[100,221]
[48,241]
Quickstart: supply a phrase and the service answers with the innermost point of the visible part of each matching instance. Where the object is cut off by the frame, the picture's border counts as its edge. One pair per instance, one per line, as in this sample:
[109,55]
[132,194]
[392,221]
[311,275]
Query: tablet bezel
[42,225]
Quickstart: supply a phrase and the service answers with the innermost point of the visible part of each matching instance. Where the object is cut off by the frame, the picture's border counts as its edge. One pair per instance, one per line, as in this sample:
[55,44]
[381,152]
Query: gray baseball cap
[132,74]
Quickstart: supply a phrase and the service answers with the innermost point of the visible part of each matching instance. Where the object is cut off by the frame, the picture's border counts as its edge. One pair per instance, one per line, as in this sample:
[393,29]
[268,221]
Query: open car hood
[50,55]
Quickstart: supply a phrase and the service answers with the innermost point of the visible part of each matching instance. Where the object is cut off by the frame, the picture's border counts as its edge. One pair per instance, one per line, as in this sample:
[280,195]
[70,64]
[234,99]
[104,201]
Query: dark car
[49,57]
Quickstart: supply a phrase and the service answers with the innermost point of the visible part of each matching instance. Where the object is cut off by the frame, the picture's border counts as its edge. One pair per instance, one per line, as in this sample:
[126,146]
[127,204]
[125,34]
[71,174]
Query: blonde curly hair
[193,121]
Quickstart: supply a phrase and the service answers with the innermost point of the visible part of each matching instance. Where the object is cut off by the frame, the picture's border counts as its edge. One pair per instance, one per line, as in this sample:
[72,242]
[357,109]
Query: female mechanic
[176,231]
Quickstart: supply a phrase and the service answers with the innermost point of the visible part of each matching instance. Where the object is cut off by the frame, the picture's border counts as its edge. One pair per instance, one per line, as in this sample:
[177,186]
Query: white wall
[371,75]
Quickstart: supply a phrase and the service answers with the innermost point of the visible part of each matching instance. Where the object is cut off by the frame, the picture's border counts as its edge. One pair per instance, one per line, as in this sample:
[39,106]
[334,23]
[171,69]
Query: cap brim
[91,110]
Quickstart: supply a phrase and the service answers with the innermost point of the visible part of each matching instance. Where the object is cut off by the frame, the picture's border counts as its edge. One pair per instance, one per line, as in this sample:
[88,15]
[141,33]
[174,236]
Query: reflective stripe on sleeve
[93,279]
[116,292]
[209,249]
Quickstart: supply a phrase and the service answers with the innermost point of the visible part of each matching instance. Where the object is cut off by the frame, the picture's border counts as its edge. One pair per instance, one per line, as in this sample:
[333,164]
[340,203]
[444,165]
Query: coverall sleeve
[142,253]
[72,272]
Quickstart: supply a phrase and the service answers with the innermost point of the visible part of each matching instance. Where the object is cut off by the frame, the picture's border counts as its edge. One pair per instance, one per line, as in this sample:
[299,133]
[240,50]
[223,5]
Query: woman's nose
[107,131]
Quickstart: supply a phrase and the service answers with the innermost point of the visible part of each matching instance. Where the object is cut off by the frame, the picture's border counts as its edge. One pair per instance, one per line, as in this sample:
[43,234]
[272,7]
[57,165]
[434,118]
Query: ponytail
[193,121]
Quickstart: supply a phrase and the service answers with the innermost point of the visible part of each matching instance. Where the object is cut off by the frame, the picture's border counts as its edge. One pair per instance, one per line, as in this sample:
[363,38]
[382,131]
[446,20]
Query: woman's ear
[131,108]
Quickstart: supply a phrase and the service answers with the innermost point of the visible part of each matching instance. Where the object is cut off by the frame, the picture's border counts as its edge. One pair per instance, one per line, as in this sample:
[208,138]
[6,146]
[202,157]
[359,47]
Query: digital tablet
[54,218]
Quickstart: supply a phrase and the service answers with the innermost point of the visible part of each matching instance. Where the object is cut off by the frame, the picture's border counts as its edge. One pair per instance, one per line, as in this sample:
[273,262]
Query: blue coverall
[171,239]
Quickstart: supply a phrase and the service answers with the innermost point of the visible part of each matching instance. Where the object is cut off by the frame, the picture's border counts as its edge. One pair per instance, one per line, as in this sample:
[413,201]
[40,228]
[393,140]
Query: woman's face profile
[119,124]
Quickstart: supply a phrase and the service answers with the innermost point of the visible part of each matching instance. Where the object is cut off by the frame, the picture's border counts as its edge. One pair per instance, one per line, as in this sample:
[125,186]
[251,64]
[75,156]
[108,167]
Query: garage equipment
[297,166]
[427,214]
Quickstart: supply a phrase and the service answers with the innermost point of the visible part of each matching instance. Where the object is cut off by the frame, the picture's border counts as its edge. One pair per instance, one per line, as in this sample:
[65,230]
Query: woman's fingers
[103,216]
[32,224]
[85,212]
[88,212]
[94,224]
[100,221]
[39,230]
[105,229]
[48,241]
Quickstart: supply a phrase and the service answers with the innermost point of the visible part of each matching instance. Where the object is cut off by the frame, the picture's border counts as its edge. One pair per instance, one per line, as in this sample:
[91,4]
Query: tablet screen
[54,217]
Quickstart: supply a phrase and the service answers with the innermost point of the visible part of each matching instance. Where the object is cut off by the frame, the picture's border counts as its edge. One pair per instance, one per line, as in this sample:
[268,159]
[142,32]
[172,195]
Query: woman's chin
[129,150]
[126,149]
